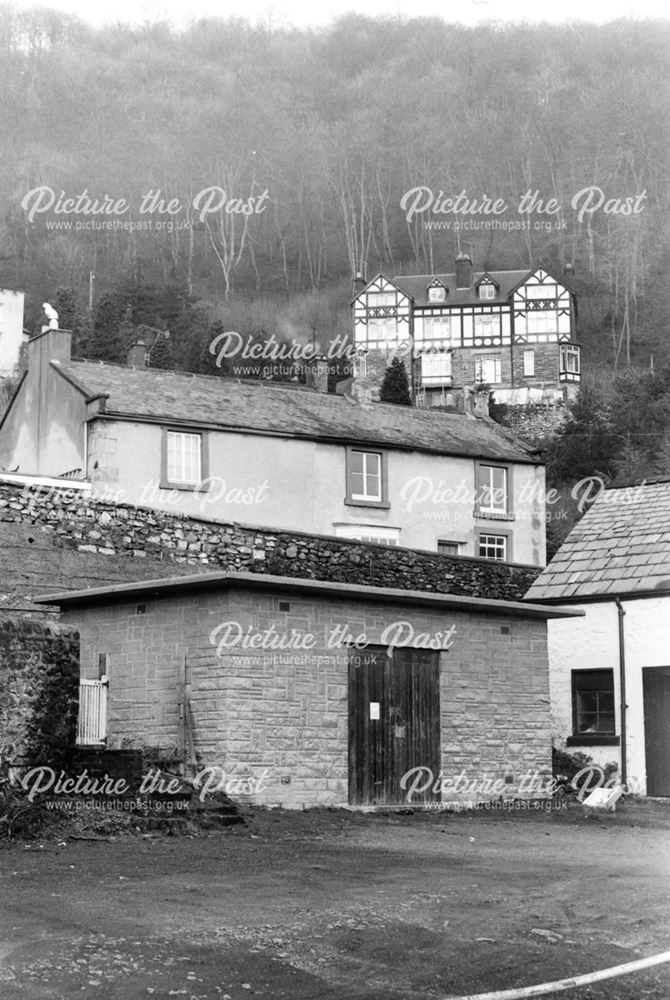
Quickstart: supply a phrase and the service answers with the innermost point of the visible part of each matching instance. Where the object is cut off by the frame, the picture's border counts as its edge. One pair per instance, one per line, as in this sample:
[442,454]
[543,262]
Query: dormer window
[487,290]
[437,292]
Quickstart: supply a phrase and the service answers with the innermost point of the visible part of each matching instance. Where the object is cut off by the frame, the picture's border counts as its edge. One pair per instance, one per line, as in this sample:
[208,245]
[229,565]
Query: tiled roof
[620,546]
[267,407]
[416,286]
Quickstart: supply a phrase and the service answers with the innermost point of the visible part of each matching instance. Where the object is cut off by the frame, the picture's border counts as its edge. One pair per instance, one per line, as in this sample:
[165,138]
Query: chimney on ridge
[463,271]
[137,355]
[480,404]
[359,283]
[316,373]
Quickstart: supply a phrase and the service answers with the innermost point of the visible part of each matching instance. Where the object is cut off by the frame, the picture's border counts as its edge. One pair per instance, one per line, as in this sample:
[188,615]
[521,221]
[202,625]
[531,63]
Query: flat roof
[171,585]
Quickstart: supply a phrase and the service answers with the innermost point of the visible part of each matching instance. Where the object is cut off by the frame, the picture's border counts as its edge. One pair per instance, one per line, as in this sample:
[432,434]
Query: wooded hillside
[315,137]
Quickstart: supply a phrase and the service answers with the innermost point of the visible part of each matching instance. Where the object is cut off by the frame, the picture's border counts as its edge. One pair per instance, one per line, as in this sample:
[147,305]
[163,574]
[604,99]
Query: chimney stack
[359,283]
[137,355]
[480,404]
[49,345]
[316,373]
[463,271]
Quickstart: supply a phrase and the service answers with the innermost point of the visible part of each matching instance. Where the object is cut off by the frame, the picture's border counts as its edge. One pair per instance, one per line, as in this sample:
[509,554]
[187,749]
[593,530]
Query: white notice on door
[374,709]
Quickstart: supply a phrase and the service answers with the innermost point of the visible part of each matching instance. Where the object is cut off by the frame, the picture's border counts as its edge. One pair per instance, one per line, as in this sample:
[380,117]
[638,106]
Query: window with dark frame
[492,547]
[570,362]
[366,477]
[492,490]
[183,459]
[593,703]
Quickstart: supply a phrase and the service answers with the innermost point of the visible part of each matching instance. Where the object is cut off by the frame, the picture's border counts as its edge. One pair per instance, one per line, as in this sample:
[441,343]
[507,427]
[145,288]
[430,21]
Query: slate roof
[620,546]
[416,285]
[268,408]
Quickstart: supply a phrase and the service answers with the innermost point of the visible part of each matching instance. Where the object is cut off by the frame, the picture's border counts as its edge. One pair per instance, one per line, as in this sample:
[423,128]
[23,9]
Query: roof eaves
[267,581]
[513,453]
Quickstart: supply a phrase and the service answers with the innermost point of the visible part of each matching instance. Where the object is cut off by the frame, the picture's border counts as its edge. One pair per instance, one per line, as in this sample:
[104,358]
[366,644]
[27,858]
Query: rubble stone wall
[55,530]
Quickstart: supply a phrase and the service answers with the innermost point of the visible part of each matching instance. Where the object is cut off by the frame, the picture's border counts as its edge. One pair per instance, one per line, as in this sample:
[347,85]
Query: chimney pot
[137,355]
[463,271]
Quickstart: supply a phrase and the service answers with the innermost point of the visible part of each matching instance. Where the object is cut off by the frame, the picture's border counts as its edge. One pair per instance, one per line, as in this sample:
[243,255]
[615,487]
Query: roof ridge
[204,375]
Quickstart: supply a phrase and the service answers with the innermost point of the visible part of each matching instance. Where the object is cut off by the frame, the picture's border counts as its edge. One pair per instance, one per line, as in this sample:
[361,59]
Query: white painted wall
[306,487]
[11,329]
[591,643]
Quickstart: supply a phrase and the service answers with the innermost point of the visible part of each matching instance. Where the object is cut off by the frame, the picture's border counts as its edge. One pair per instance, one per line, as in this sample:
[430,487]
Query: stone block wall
[281,717]
[546,364]
[464,360]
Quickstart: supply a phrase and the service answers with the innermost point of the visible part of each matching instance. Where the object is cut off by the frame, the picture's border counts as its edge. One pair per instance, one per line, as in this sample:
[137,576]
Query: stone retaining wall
[171,544]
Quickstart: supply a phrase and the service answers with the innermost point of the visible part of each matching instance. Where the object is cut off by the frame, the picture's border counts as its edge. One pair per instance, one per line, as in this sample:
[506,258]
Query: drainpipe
[622,687]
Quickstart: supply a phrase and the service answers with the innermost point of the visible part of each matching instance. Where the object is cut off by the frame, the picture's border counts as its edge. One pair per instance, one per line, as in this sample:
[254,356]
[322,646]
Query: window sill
[379,504]
[593,740]
[185,487]
[490,515]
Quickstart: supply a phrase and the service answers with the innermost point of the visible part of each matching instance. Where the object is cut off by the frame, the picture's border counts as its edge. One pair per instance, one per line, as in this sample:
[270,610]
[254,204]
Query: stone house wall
[284,715]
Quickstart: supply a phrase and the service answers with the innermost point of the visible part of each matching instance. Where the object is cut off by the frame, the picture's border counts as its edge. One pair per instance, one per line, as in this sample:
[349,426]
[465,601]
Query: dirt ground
[330,905]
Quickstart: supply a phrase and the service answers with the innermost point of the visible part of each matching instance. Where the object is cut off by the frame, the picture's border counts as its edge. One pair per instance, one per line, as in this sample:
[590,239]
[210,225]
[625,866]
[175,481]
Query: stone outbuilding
[304,692]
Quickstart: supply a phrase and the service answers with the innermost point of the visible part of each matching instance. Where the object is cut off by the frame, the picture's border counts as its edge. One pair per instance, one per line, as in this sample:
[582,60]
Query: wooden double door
[394,725]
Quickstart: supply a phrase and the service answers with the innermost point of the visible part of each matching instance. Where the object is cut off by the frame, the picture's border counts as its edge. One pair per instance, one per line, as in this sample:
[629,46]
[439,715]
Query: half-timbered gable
[511,330]
[382,316]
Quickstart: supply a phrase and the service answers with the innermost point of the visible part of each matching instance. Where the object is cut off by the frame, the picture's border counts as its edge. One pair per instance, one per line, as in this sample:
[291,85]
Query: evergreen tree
[65,304]
[395,386]
[111,331]
[159,351]
[70,318]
